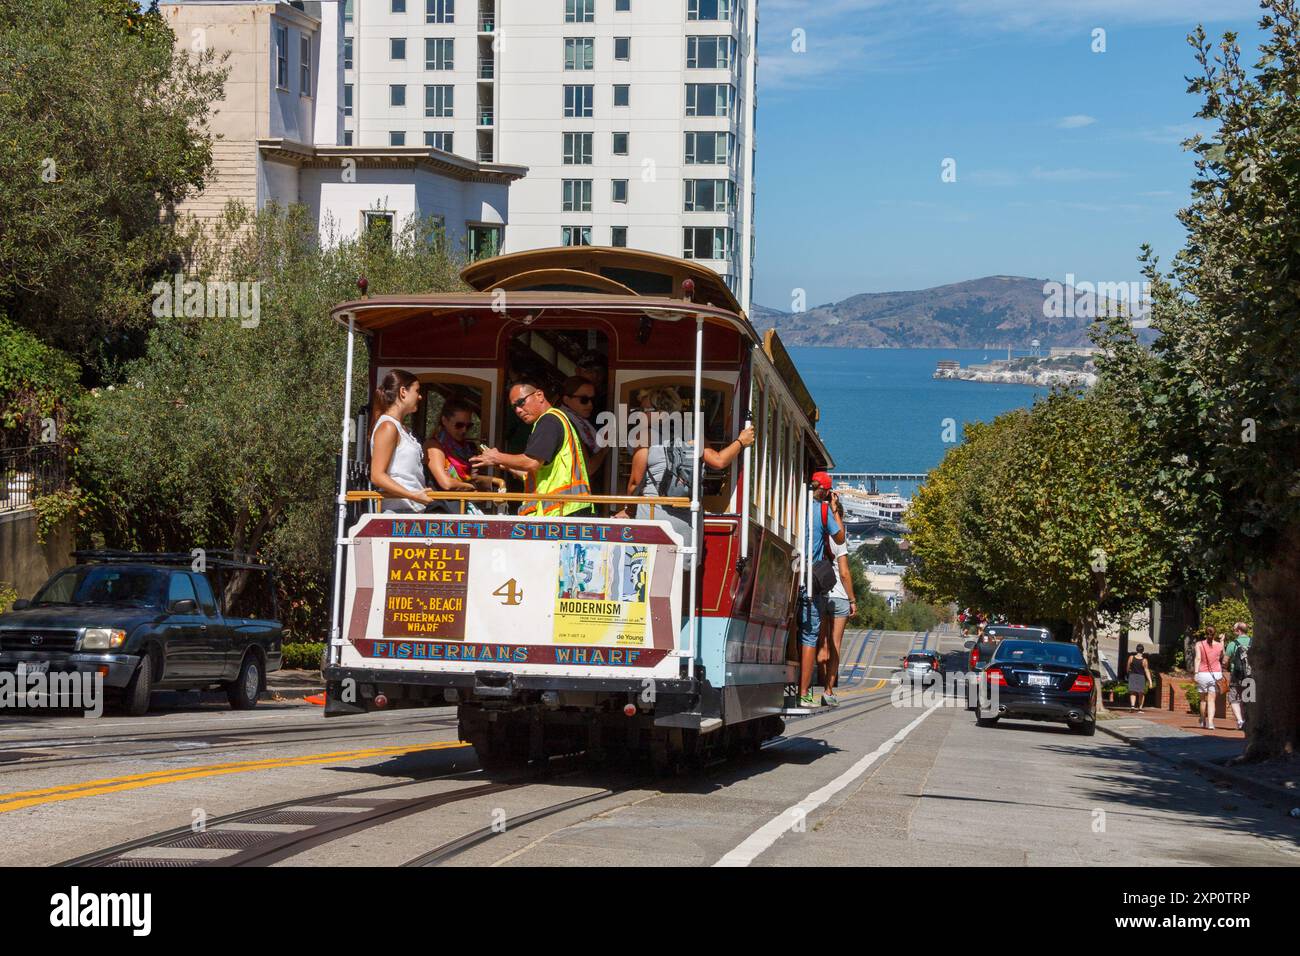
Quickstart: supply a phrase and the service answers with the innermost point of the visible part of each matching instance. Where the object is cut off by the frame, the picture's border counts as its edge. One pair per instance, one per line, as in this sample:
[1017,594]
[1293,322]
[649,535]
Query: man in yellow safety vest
[552,463]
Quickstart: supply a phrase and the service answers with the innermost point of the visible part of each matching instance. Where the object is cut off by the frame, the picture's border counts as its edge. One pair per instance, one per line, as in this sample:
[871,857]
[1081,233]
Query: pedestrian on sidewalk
[1237,654]
[1209,674]
[1138,674]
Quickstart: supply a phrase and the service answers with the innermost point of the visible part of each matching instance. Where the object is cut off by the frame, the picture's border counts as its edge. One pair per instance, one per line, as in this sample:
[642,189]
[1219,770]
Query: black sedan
[1035,680]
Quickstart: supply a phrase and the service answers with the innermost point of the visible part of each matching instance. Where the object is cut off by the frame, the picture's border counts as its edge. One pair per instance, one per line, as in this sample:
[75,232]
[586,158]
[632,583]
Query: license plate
[1040,680]
[33,667]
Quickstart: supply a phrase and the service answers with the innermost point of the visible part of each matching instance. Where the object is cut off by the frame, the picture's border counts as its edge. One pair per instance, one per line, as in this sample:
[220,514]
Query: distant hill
[993,311]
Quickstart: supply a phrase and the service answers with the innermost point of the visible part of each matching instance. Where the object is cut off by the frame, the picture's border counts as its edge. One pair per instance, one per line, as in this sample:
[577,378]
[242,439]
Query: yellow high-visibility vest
[565,474]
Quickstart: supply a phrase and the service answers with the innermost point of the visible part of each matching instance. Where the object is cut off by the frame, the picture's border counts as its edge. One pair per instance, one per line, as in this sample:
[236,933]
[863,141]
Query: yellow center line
[89,788]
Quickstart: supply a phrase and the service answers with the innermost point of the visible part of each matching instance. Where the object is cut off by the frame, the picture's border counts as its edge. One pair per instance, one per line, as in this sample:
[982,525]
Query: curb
[290,692]
[1266,792]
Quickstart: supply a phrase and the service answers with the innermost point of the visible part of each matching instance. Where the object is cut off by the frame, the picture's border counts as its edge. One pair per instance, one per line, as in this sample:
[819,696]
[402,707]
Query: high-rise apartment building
[635,118]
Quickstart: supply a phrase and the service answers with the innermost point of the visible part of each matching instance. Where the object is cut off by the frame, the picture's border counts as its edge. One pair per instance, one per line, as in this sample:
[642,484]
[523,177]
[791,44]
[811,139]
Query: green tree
[1217,395]
[226,433]
[102,121]
[1038,517]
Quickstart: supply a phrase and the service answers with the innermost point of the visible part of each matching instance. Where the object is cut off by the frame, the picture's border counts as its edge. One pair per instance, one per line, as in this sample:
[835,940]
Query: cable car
[598,634]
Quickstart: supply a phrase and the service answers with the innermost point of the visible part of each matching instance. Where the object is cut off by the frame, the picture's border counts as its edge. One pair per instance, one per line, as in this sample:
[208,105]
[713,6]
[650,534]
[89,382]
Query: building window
[622,6]
[618,190]
[622,48]
[708,9]
[484,241]
[577,149]
[709,99]
[577,195]
[347,11]
[396,138]
[618,236]
[282,57]
[438,53]
[578,100]
[575,235]
[304,64]
[438,100]
[397,48]
[397,6]
[712,242]
[439,11]
[710,195]
[622,94]
[620,144]
[347,99]
[710,53]
[347,137]
[579,11]
[579,53]
[347,53]
[438,139]
[397,94]
[378,225]
[709,149]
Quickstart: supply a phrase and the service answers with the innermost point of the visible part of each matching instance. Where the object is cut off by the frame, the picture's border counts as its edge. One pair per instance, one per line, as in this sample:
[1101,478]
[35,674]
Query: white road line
[763,838]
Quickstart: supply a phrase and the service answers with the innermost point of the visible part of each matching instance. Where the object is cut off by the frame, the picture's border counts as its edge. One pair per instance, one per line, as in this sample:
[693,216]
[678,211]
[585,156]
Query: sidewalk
[1177,738]
[293,685]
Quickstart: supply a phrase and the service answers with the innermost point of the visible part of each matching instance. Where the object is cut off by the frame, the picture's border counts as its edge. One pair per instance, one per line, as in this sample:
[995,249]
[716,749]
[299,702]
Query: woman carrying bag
[1209,675]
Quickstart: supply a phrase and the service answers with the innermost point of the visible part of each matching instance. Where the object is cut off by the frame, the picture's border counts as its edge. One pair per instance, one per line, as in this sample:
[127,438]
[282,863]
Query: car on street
[150,622]
[1038,680]
[922,665]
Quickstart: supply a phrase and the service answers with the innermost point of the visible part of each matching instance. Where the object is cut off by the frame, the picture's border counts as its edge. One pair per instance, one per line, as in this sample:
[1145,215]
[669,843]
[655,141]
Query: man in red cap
[821,524]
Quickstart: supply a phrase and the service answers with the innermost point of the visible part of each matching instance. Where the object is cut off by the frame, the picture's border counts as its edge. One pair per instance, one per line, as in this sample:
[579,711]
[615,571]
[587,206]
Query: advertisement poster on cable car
[601,596]
[456,593]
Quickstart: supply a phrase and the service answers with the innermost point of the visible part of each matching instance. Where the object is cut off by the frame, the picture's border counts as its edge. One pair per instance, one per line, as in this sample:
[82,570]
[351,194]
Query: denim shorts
[837,606]
[810,619]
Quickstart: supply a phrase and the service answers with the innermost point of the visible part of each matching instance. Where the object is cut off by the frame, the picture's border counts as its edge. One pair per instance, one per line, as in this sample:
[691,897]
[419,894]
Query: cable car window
[756,461]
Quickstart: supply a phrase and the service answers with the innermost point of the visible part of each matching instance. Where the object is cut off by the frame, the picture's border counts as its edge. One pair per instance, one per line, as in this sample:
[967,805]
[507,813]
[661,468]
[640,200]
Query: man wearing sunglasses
[578,401]
[553,462]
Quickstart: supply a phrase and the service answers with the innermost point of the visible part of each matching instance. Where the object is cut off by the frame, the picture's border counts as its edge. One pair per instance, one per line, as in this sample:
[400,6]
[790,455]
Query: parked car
[924,666]
[150,622]
[1038,680]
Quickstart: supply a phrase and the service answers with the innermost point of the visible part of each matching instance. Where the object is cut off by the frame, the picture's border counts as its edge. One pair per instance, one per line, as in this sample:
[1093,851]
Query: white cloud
[1075,121]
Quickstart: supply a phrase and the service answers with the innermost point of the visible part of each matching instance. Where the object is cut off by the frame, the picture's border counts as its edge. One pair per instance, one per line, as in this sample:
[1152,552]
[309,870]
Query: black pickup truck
[151,622]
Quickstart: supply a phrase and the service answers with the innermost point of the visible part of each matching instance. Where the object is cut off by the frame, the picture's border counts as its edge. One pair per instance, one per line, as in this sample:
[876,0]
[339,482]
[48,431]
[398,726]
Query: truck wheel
[135,697]
[242,691]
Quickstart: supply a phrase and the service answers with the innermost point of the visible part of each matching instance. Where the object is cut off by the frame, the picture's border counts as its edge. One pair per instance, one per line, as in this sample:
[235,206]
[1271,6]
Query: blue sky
[1066,160]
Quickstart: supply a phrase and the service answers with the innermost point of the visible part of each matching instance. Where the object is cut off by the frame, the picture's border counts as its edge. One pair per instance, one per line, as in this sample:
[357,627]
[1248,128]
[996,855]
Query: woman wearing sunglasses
[577,400]
[448,450]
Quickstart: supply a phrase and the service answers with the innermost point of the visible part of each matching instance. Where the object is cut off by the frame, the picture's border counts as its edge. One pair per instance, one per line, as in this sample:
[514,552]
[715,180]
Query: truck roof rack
[212,557]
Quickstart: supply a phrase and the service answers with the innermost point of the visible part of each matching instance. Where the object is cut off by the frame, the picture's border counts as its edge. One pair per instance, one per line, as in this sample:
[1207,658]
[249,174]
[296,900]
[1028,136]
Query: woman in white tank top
[396,456]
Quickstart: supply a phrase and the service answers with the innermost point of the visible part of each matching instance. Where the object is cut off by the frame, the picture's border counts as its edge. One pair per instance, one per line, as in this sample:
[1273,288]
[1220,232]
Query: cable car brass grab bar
[520,496]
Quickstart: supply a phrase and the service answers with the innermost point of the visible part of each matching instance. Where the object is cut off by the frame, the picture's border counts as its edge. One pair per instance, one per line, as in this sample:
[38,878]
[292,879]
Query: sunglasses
[519,402]
[459,425]
[584,399]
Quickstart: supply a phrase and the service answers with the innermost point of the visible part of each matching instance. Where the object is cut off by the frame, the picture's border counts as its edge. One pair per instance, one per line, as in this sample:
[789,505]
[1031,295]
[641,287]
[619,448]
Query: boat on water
[866,512]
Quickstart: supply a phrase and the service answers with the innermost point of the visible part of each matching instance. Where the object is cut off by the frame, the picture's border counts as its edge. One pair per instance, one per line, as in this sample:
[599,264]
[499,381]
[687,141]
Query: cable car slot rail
[345,812]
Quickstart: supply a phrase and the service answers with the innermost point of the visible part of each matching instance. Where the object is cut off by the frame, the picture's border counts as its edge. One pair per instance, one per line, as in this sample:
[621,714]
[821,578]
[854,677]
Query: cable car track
[346,812]
[228,740]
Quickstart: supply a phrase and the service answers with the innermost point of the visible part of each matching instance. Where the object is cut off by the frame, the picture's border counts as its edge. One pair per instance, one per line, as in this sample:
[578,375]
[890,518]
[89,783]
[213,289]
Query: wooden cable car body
[559,634]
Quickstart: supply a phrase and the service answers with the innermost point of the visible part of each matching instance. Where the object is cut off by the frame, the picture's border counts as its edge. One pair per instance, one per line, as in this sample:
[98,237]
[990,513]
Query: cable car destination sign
[465,591]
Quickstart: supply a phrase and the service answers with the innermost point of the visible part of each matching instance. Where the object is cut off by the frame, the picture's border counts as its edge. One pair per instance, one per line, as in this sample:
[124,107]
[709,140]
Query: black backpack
[1241,663]
[823,569]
